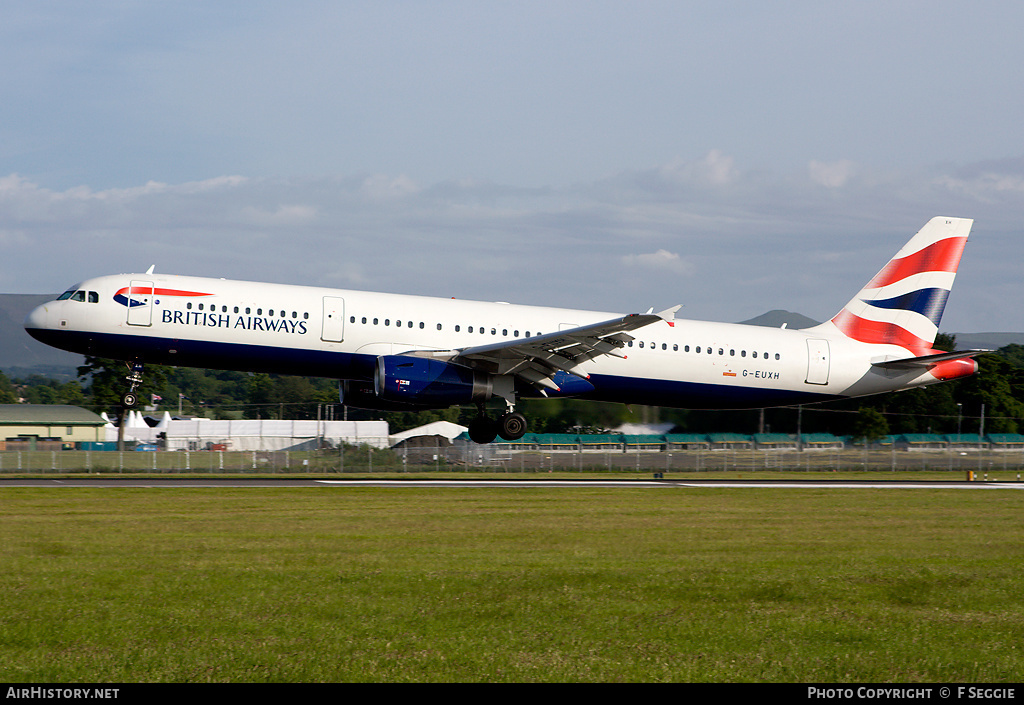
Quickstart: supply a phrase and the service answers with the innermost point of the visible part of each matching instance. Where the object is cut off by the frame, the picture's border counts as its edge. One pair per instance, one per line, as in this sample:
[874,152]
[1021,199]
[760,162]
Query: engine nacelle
[360,395]
[423,381]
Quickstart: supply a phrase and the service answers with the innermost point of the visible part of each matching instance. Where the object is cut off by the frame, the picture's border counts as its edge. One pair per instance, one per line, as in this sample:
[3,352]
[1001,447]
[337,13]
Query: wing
[544,360]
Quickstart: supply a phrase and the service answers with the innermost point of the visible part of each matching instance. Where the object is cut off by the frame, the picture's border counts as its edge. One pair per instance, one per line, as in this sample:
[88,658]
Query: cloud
[830,175]
[380,187]
[678,231]
[660,260]
[285,215]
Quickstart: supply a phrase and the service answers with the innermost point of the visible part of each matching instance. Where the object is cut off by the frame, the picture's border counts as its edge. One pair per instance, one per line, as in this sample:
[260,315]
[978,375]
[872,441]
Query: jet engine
[435,383]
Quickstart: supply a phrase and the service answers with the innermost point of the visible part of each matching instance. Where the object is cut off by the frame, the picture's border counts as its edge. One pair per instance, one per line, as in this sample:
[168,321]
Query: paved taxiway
[183,482]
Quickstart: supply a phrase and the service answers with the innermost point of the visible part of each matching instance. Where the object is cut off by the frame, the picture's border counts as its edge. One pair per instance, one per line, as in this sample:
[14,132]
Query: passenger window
[364,320]
[456,327]
[776,356]
[470,329]
[698,348]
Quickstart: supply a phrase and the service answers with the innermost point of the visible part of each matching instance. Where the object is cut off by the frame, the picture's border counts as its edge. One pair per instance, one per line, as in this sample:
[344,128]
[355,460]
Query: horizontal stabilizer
[929,360]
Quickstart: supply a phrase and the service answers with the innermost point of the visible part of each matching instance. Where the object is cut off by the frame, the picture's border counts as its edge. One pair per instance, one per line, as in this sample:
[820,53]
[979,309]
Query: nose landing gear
[130,398]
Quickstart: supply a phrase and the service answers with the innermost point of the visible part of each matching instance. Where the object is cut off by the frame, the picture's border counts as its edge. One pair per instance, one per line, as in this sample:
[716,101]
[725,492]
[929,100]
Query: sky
[732,157]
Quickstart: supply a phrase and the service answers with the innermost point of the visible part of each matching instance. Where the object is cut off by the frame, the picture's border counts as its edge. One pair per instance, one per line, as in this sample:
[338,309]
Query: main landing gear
[130,398]
[484,429]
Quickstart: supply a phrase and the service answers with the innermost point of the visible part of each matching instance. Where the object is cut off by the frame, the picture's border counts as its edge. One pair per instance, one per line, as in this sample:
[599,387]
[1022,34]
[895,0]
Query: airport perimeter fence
[993,464]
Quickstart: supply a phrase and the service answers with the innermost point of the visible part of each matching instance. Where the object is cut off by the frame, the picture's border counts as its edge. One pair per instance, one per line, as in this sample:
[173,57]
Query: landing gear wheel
[512,426]
[483,430]
[134,379]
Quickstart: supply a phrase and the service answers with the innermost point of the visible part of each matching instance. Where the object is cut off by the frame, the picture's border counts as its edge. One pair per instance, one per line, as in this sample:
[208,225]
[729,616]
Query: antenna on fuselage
[151,268]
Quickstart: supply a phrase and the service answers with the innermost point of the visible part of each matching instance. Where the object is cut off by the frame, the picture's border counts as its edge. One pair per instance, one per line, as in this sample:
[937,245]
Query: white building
[257,434]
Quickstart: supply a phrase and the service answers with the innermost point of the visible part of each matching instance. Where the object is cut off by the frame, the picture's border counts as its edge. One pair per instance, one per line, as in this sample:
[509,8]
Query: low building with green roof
[27,426]
[643,441]
[820,441]
[774,441]
[687,441]
[1006,441]
[730,440]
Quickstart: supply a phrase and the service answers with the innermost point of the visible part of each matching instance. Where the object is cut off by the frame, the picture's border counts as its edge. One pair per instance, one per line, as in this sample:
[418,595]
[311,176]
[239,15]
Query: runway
[256,483]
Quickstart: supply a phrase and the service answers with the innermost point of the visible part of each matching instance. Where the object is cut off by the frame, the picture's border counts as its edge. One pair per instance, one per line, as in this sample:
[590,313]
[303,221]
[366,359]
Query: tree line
[994,397]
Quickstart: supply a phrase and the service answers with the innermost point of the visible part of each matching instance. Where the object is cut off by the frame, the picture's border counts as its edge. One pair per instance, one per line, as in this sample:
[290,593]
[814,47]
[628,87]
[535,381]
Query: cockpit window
[76,294]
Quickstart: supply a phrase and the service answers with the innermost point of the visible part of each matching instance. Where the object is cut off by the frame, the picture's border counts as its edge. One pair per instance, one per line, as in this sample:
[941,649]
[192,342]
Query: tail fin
[903,303]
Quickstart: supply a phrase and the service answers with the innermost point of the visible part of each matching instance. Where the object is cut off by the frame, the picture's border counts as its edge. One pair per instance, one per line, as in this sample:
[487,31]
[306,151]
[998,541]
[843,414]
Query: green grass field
[343,584]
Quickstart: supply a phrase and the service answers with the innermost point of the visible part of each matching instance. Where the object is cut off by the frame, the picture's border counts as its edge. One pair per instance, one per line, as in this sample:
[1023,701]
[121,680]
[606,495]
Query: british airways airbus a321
[396,352]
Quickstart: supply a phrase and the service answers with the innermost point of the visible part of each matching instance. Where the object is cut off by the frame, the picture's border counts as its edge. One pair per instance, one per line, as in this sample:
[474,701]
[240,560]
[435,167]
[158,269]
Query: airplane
[394,352]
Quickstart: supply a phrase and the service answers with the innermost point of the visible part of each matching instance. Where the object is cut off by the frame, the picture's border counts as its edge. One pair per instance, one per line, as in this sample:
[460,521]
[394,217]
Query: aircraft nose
[37,319]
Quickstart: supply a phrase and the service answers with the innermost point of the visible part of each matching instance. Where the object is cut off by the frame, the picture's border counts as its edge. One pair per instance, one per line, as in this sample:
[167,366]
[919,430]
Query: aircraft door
[333,326]
[140,303]
[817,361]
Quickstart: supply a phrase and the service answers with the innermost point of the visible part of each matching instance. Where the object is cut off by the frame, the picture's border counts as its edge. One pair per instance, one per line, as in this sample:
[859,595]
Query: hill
[775,319]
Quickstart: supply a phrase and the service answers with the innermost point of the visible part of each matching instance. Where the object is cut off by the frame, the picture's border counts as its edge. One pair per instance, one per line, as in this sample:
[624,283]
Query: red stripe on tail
[942,256]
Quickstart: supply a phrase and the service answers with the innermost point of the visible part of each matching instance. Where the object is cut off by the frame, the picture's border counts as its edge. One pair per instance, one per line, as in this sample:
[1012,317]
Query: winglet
[669,314]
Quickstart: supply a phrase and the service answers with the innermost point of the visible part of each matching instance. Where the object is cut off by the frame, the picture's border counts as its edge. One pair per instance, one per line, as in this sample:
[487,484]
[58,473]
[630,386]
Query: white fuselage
[222,324]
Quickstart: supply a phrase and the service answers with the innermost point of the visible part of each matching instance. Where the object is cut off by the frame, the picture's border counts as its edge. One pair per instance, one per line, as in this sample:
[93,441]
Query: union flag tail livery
[903,303]
[409,353]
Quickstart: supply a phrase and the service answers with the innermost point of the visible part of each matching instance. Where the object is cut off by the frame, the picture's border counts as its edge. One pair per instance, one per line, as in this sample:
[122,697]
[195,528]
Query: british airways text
[224,320]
